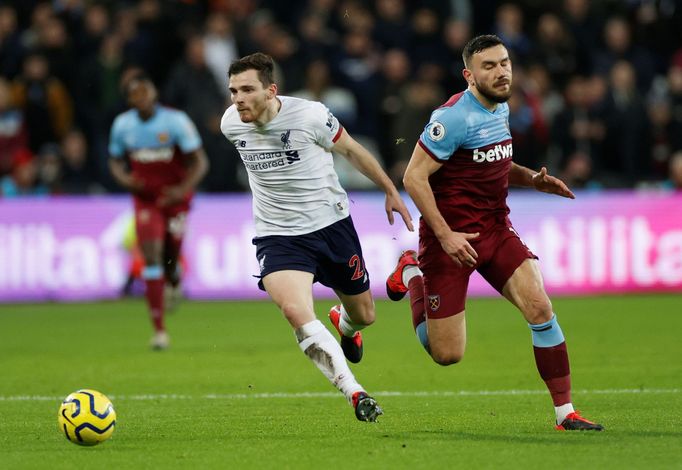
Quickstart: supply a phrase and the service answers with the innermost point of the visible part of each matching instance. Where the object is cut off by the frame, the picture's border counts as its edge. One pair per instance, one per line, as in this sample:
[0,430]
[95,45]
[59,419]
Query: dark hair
[478,44]
[262,63]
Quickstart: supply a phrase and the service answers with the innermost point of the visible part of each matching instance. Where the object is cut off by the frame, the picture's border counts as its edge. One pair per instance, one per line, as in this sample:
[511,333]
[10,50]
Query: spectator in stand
[625,153]
[577,128]
[578,172]
[420,99]
[319,87]
[54,45]
[95,27]
[584,27]
[455,35]
[13,136]
[24,179]
[78,174]
[551,102]
[659,136]
[49,161]
[396,74]
[357,68]
[618,46]
[527,124]
[555,49]
[392,29]
[220,48]
[11,49]
[317,39]
[426,41]
[675,172]
[509,27]
[46,103]
[191,86]
[675,99]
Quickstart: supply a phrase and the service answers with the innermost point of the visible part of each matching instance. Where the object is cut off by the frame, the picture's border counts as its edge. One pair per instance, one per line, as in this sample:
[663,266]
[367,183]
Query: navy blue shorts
[332,254]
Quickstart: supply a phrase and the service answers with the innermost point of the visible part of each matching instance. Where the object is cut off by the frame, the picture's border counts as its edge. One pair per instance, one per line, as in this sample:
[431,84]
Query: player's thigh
[447,338]
[176,222]
[150,229]
[525,289]
[445,289]
[360,307]
[292,291]
[445,283]
[341,265]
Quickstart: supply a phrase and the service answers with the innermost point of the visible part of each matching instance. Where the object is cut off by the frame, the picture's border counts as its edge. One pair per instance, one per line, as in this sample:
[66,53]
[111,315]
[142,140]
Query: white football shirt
[290,167]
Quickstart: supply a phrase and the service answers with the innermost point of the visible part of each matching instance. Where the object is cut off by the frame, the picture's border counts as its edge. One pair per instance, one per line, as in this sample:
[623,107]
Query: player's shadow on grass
[529,438]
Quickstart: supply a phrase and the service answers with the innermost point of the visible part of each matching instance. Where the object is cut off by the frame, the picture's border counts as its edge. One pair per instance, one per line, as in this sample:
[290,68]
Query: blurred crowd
[597,84]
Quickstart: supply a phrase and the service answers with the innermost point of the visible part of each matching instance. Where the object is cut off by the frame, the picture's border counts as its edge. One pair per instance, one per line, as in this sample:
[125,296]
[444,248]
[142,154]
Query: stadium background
[597,99]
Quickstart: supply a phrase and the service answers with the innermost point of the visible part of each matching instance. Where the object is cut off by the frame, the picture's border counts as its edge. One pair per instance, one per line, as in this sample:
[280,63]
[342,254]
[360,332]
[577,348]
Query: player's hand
[171,195]
[394,203]
[456,245]
[135,186]
[549,184]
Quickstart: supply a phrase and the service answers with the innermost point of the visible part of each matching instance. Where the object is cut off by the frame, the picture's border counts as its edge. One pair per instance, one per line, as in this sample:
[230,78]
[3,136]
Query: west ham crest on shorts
[434,302]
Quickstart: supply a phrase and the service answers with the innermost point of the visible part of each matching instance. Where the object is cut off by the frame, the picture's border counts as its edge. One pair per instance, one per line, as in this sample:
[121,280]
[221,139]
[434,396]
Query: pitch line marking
[386,393]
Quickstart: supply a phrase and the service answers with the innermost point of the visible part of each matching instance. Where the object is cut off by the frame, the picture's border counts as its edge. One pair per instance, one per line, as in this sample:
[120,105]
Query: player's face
[249,95]
[142,96]
[490,72]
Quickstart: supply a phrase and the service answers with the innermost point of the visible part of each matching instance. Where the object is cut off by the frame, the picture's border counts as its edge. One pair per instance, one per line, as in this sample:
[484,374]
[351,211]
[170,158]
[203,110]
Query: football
[87,417]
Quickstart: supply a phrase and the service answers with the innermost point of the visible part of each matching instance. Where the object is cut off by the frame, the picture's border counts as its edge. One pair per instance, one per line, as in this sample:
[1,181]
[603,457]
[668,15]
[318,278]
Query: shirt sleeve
[186,133]
[325,127]
[444,134]
[116,143]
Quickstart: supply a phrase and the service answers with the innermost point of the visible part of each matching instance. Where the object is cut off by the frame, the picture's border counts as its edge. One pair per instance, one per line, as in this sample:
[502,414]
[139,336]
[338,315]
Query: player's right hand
[135,186]
[456,245]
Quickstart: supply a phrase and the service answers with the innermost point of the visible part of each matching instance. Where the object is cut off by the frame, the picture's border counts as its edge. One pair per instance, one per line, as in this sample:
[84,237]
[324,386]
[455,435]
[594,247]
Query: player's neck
[145,114]
[485,102]
[270,112]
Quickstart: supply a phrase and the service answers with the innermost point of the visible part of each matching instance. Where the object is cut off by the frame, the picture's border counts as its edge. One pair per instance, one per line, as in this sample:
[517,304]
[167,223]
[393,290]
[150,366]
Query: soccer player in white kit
[304,232]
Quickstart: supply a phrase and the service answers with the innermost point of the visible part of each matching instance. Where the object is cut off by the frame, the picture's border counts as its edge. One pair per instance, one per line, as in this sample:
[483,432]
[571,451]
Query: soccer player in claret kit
[156,154]
[458,177]
[304,232]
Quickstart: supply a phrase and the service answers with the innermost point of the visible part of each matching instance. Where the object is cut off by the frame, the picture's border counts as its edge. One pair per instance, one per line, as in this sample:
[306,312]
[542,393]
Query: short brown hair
[478,44]
[262,63]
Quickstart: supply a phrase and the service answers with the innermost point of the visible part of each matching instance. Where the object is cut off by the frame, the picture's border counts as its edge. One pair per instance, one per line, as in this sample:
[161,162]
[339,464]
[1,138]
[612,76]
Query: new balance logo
[497,153]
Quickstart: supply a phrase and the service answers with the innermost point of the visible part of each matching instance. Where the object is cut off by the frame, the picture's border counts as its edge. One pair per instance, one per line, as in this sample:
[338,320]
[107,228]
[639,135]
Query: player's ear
[272,90]
[468,76]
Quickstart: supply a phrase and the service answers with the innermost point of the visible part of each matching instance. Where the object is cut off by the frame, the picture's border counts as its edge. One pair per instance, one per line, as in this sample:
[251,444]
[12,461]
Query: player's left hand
[549,184]
[394,203]
[171,195]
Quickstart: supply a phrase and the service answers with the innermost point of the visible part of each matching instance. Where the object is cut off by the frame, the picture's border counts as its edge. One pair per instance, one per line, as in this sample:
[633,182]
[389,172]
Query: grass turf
[231,391]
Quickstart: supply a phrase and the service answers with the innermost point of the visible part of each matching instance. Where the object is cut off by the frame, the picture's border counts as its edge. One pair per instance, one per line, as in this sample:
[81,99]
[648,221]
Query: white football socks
[346,325]
[409,272]
[562,411]
[320,346]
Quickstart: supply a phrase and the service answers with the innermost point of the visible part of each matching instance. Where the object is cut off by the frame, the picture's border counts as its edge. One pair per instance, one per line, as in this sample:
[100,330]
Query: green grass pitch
[234,390]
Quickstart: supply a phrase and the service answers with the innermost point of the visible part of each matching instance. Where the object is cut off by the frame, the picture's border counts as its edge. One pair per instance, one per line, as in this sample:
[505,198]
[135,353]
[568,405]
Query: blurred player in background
[156,154]
[458,177]
[304,232]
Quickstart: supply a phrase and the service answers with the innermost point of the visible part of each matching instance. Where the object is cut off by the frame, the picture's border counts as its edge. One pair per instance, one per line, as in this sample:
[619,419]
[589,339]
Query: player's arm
[416,181]
[197,167]
[366,164]
[525,177]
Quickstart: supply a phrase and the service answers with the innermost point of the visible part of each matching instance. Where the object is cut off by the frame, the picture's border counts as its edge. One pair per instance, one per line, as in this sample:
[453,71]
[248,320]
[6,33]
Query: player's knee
[368,316]
[362,314]
[446,357]
[292,311]
[539,310]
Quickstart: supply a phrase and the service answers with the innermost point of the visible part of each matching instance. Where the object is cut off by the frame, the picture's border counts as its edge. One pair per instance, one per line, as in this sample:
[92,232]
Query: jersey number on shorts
[356,262]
